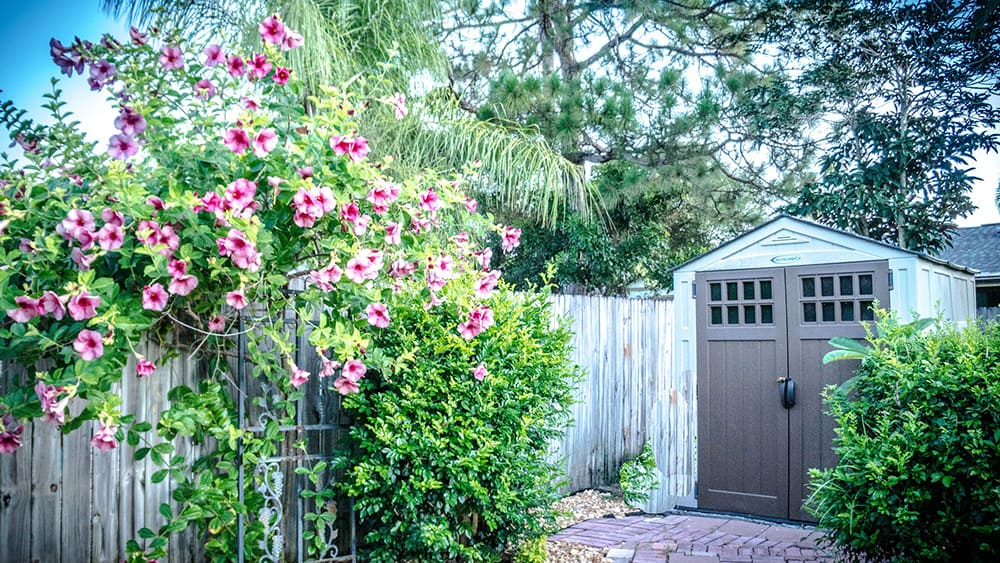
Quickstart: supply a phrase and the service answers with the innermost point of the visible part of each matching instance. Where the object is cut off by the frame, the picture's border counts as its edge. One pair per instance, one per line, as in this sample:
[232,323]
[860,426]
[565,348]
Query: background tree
[906,88]
[650,96]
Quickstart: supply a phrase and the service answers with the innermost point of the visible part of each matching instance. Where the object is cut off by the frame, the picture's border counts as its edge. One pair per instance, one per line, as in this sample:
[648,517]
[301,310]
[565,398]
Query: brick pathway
[682,538]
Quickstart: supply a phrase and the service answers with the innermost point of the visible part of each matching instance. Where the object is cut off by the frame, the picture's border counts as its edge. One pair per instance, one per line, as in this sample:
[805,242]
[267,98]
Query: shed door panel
[823,302]
[743,453]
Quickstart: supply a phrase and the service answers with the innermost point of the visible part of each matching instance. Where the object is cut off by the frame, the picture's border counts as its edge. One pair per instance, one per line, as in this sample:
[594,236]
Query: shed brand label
[786,258]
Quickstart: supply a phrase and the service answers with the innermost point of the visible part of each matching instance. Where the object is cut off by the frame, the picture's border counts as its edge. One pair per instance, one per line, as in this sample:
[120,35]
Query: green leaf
[849,344]
[837,355]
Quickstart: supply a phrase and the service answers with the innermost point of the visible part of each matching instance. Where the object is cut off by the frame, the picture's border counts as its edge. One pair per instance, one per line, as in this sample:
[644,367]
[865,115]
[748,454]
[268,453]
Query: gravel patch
[577,508]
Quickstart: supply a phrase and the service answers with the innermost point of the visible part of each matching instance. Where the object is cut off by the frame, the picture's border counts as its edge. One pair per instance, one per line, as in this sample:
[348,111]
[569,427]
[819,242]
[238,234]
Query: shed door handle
[787,390]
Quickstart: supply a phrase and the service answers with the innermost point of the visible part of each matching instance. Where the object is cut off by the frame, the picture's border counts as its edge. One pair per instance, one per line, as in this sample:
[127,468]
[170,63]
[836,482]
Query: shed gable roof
[787,237]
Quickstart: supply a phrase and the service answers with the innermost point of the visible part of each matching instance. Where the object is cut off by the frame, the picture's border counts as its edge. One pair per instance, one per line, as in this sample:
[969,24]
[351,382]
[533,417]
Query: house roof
[786,219]
[977,247]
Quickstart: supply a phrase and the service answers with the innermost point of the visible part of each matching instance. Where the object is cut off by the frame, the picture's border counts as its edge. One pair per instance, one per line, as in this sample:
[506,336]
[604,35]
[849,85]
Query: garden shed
[752,321]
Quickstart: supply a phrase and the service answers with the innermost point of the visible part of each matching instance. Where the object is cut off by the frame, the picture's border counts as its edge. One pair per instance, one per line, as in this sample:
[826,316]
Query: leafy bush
[919,444]
[638,476]
[532,551]
[448,467]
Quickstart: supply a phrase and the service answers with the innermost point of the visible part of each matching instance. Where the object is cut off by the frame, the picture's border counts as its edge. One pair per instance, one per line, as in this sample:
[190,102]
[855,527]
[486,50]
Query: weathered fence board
[60,498]
[628,395]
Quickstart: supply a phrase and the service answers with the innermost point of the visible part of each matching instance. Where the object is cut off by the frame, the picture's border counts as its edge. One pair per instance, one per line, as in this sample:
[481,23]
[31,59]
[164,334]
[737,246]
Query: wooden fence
[629,395]
[63,501]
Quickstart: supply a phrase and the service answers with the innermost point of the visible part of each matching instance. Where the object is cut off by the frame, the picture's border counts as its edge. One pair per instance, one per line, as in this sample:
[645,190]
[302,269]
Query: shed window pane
[748,292]
[866,311]
[715,289]
[717,315]
[847,311]
[826,286]
[828,312]
[808,287]
[847,285]
[749,315]
[732,291]
[808,312]
[765,289]
[733,314]
[865,284]
[766,314]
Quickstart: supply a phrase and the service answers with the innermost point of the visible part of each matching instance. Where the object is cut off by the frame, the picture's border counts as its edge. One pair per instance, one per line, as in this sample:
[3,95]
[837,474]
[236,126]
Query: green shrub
[532,551]
[918,439]
[448,468]
[638,476]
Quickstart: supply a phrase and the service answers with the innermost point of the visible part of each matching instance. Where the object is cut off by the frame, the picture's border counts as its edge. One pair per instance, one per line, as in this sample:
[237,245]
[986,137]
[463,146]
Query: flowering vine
[216,193]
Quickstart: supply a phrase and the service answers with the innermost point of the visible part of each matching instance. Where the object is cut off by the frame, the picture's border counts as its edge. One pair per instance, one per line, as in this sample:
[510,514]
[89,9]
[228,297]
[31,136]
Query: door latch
[787,391]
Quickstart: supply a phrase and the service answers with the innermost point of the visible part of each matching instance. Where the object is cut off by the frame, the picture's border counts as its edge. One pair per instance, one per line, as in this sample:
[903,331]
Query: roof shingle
[976,247]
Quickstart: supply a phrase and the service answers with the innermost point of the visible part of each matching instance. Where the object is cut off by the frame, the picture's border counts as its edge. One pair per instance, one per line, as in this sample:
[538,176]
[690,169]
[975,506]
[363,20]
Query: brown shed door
[756,328]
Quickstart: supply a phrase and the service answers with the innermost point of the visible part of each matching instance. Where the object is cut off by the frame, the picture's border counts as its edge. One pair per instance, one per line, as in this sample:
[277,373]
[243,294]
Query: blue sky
[24,77]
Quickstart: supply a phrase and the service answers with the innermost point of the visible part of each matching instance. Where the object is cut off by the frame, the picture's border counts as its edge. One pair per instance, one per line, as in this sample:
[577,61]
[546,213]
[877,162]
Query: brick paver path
[681,538]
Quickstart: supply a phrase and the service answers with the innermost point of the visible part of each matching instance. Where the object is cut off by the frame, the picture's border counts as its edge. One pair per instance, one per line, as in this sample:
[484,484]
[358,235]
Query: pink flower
[10,434]
[171,57]
[480,319]
[272,30]
[110,237]
[349,212]
[343,385]
[235,66]
[239,195]
[236,299]
[102,71]
[204,89]
[399,105]
[484,257]
[122,147]
[144,368]
[214,56]
[392,233]
[78,224]
[53,408]
[156,203]
[510,238]
[154,298]
[138,37]
[485,285]
[364,266]
[378,315]
[217,323]
[329,366]
[83,305]
[130,122]
[327,276]
[264,142]
[81,260]
[89,345]
[240,250]
[259,65]
[401,268]
[282,75]
[50,303]
[236,140]
[382,195]
[299,376]
[111,216]
[176,268]
[27,309]
[354,370]
[104,438]
[429,200]
[293,40]
[479,372]
[182,285]
[251,104]
[470,204]
[355,148]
